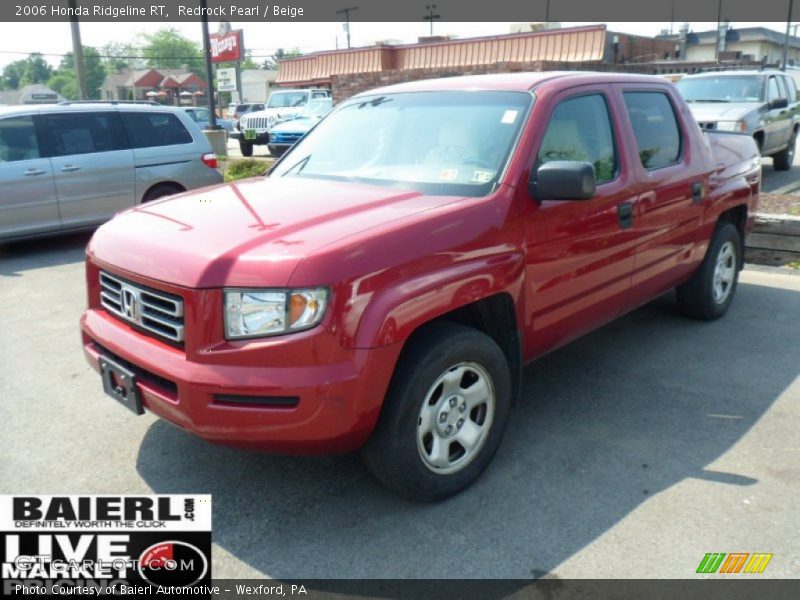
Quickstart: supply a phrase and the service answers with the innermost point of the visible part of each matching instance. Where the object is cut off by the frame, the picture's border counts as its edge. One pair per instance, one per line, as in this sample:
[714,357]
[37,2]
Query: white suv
[254,127]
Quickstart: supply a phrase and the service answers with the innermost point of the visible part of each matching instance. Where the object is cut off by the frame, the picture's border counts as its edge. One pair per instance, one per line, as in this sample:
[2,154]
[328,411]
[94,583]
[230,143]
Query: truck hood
[249,233]
[722,111]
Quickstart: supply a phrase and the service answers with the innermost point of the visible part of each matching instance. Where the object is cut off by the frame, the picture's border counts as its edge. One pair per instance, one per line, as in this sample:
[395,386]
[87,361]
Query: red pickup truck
[383,287]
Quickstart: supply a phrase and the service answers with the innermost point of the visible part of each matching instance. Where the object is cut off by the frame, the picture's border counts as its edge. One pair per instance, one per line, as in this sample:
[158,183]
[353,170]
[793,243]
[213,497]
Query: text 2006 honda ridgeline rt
[384,286]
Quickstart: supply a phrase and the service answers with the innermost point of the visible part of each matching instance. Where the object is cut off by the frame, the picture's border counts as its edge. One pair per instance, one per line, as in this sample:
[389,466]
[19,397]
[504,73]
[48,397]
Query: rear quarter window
[658,137]
[154,129]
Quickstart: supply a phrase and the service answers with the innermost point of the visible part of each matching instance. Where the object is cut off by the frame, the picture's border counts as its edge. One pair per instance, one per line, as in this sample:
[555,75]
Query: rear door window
[68,133]
[658,137]
[152,129]
[792,87]
[580,130]
[18,139]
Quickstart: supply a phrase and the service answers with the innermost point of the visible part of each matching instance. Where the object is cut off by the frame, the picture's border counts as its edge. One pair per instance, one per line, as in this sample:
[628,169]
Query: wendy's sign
[226,47]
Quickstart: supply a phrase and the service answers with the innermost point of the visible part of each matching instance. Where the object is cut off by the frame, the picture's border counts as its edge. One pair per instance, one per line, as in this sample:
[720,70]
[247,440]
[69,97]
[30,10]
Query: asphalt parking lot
[775,181]
[636,450]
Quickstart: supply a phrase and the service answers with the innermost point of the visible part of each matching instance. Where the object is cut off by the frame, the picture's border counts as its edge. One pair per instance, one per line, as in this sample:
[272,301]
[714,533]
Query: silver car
[763,104]
[70,167]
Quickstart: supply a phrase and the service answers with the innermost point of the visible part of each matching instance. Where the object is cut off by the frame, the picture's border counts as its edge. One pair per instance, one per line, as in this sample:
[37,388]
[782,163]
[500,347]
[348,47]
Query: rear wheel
[161,190]
[709,293]
[783,160]
[246,148]
[444,415]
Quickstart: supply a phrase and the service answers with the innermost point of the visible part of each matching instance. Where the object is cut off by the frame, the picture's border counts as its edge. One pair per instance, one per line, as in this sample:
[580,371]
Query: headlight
[260,313]
[732,126]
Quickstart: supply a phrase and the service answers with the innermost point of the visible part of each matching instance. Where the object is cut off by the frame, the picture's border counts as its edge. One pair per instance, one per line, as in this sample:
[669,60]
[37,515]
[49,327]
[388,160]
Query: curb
[774,241]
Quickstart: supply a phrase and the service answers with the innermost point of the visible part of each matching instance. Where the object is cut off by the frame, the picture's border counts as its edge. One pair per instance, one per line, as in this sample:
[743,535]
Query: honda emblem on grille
[130,303]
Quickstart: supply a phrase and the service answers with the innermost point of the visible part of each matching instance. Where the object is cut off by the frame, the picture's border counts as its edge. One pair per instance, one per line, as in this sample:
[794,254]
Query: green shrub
[244,168]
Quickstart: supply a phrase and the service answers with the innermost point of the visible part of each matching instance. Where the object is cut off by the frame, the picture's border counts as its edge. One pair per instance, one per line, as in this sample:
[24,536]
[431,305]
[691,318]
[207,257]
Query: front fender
[396,311]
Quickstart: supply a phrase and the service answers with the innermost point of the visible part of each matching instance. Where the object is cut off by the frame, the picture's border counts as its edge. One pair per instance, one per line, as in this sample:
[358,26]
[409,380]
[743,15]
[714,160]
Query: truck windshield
[287,99]
[316,109]
[722,89]
[446,143]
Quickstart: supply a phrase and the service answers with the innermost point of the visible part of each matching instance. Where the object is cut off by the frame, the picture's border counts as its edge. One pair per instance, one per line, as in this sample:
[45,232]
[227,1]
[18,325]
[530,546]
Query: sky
[53,39]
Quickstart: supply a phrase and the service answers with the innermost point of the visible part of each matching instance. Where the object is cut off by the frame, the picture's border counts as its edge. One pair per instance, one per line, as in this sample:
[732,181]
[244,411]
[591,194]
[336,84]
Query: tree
[168,48]
[64,83]
[63,80]
[271,63]
[117,56]
[36,70]
[12,75]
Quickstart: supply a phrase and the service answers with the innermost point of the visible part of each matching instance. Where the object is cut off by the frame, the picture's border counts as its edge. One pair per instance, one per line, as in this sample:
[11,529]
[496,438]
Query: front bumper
[262,137]
[338,396]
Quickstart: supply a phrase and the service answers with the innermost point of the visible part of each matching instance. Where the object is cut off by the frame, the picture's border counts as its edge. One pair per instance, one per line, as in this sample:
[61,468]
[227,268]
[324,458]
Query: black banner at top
[400,11]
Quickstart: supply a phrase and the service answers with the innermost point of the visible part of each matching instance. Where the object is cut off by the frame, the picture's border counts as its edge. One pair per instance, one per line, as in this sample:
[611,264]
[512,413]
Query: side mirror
[563,180]
[778,103]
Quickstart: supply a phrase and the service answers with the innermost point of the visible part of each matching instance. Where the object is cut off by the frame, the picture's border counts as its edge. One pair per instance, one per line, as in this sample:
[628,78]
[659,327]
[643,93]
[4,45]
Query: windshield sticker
[509,117]
[448,174]
[481,176]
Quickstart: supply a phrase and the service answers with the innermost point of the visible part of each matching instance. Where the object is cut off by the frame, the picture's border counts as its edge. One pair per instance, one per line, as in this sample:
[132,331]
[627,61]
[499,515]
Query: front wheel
[444,415]
[783,160]
[709,293]
[246,148]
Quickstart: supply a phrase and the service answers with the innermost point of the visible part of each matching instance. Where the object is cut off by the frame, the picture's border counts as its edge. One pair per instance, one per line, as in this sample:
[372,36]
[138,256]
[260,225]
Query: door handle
[625,215]
[698,191]
[70,168]
[32,172]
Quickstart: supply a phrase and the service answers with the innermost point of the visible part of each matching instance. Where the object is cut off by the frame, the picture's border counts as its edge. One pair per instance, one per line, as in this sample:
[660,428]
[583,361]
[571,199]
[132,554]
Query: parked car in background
[287,133]
[762,104]
[384,286]
[237,111]
[281,105]
[201,115]
[73,166]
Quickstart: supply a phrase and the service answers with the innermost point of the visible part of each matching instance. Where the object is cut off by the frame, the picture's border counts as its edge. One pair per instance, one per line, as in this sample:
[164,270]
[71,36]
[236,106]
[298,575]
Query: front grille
[153,311]
[254,123]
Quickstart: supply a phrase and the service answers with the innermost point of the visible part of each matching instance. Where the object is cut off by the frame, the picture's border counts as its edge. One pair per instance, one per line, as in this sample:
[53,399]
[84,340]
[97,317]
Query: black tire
[696,297]
[394,453]
[783,160]
[246,148]
[276,151]
[160,190]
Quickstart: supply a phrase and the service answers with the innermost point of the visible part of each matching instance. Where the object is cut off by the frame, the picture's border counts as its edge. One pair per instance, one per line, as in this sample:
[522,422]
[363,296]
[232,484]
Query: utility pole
[212,119]
[77,53]
[788,30]
[430,16]
[346,12]
[672,18]
[719,20]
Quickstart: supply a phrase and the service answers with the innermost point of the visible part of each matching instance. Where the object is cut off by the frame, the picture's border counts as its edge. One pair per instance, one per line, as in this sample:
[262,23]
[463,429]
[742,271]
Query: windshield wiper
[713,100]
[300,163]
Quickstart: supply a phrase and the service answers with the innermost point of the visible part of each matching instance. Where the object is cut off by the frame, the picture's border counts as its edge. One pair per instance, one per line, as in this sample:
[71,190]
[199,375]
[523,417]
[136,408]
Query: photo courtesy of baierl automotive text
[368,300]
